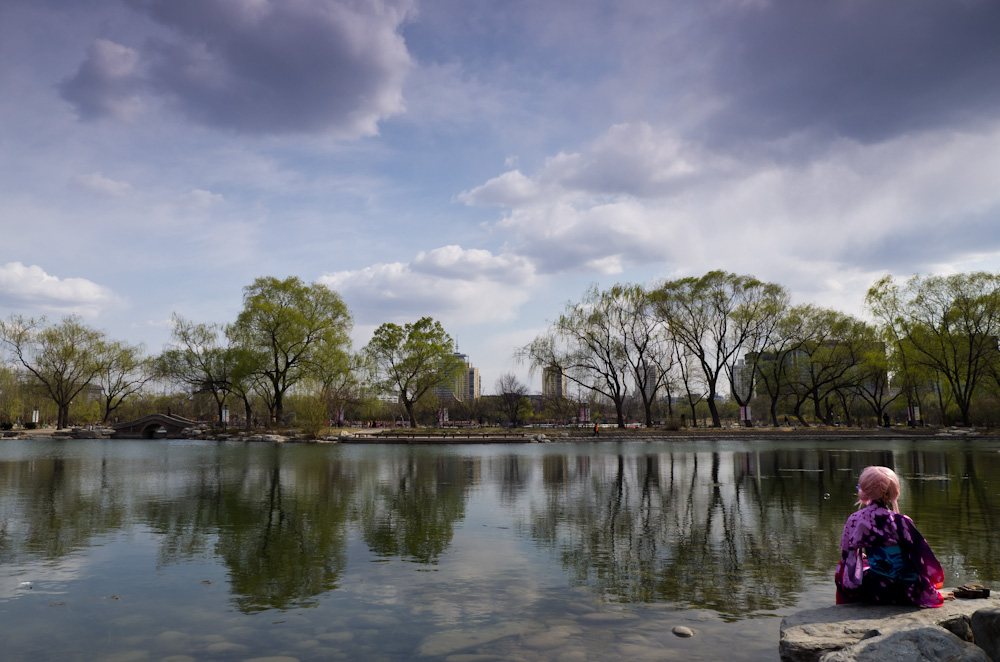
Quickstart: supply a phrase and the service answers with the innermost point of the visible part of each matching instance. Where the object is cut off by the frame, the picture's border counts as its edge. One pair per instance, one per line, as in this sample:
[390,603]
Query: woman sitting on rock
[884,559]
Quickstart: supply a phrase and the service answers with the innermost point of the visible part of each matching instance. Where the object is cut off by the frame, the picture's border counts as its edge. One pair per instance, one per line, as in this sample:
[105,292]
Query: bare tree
[511,399]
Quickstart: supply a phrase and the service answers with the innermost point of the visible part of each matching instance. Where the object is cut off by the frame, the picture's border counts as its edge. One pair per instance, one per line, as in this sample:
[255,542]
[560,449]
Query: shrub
[672,424]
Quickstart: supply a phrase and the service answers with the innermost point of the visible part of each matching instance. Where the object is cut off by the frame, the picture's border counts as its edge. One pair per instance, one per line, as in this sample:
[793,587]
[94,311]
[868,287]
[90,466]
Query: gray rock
[918,644]
[683,631]
[986,629]
[808,635]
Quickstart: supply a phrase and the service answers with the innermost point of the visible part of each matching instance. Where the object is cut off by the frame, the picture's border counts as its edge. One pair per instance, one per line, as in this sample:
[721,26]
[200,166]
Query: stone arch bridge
[154,426]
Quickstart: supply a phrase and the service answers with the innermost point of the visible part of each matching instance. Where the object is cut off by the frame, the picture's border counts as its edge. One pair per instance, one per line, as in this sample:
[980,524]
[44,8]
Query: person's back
[884,559]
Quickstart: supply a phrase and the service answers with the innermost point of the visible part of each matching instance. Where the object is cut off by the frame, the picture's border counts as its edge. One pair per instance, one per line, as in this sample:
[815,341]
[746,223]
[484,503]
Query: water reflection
[412,511]
[735,531]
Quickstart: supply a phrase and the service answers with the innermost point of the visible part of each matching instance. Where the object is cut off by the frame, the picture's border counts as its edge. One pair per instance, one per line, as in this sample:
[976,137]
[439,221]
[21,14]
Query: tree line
[289,339]
[695,346]
[929,348]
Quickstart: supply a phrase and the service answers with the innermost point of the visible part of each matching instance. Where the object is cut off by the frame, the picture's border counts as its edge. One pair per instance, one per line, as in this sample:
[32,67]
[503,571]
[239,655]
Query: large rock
[808,635]
[919,644]
[986,629]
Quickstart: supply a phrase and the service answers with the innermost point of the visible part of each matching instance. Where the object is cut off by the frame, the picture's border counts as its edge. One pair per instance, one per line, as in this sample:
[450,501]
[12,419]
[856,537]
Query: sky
[484,163]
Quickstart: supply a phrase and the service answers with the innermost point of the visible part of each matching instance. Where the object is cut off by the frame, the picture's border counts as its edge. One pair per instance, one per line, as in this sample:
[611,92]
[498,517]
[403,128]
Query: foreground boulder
[918,644]
[810,635]
[986,631]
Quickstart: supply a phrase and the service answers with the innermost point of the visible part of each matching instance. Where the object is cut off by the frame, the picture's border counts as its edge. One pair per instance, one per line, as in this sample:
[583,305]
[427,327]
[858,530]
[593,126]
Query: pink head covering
[879,484]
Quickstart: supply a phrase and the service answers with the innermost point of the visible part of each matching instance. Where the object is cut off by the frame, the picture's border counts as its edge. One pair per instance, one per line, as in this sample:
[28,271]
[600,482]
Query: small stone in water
[682,631]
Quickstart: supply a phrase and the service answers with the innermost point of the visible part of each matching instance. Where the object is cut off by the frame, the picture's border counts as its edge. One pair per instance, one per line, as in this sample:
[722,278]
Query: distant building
[466,386]
[650,376]
[472,373]
[554,383]
[743,380]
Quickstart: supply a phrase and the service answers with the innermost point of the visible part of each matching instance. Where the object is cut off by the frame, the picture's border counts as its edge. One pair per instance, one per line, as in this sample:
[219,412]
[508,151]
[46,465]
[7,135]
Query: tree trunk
[279,407]
[798,413]
[619,414]
[714,408]
[247,410]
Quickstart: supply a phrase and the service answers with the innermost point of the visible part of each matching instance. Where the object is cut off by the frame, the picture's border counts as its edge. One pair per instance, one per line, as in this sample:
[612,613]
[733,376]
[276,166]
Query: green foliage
[942,328]
[63,359]
[198,361]
[412,360]
[290,329]
[718,319]
[124,370]
[311,415]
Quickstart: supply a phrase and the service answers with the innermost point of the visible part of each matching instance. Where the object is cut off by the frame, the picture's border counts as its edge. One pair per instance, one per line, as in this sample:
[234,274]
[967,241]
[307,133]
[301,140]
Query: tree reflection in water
[741,532]
[412,511]
[737,530]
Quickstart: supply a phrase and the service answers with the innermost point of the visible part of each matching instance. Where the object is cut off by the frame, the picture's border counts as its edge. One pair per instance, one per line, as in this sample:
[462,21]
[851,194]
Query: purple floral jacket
[879,540]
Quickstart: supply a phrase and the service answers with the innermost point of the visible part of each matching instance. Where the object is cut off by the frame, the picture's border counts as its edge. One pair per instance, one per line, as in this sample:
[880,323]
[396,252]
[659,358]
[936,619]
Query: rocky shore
[958,631]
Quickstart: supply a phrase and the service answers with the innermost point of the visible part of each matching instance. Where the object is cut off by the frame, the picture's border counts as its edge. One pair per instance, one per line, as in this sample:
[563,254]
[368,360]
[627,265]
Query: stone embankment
[958,631]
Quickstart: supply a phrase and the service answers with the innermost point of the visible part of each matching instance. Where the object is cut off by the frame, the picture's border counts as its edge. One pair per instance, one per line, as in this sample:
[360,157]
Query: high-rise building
[471,382]
[554,383]
[466,385]
[650,375]
[743,379]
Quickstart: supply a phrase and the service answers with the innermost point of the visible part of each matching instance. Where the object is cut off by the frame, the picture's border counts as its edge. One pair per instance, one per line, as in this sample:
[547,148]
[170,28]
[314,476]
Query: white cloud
[449,283]
[510,189]
[454,262]
[200,198]
[32,288]
[96,182]
[637,197]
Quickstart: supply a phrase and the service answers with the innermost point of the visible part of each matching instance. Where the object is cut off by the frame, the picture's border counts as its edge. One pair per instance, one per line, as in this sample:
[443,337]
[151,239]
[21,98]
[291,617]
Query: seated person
[884,559]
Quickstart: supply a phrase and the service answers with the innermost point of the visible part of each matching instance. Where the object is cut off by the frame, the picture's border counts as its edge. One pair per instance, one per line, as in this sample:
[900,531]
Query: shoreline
[547,435]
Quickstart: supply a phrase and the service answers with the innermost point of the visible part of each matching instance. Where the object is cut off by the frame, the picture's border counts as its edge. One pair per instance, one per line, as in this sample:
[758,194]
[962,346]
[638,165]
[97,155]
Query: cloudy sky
[483,162]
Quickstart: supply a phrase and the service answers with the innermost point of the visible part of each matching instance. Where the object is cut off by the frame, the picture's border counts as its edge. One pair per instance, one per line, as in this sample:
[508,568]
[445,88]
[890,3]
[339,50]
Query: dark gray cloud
[866,69]
[296,66]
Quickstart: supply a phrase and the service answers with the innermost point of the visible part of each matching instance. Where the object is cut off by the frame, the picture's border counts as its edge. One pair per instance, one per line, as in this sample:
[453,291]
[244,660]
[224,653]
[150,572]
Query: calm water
[179,551]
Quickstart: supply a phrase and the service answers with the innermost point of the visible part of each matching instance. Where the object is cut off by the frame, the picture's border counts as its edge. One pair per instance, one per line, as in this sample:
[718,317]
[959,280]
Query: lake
[178,550]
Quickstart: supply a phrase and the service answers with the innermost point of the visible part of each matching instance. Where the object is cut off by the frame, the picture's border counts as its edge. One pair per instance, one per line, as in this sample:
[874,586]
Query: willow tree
[413,360]
[64,358]
[826,359]
[948,324]
[647,347]
[588,344]
[125,369]
[198,360]
[291,325]
[775,361]
[718,318]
